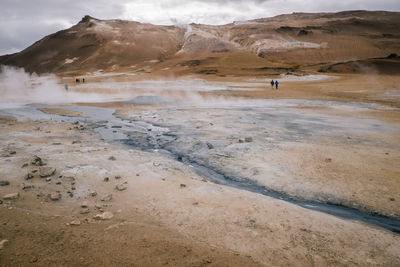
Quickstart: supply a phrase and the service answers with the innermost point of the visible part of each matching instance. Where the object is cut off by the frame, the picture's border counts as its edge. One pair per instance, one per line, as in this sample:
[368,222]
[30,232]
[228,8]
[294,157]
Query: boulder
[3,242]
[121,187]
[28,176]
[46,171]
[106,197]
[11,196]
[248,139]
[75,222]
[85,211]
[4,183]
[104,216]
[55,196]
[37,161]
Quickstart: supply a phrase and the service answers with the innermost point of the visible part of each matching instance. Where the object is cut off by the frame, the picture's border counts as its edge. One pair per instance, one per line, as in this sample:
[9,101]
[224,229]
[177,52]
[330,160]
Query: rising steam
[20,87]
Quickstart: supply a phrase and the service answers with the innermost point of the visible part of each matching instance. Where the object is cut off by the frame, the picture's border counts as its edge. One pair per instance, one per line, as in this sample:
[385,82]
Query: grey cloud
[24,22]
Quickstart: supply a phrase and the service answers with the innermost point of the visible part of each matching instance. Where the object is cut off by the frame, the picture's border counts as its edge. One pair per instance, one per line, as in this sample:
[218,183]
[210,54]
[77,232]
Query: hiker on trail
[66,86]
[276,84]
[272,84]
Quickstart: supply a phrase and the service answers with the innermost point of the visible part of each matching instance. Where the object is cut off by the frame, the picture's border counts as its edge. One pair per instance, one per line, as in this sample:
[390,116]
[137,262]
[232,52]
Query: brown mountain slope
[282,43]
[95,44]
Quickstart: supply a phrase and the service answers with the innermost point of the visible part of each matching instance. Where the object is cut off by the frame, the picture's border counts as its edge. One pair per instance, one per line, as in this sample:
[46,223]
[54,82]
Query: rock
[58,183]
[2,243]
[84,204]
[75,222]
[104,216]
[28,176]
[12,152]
[241,140]
[112,158]
[248,139]
[56,144]
[55,196]
[117,177]
[1,201]
[121,187]
[76,142]
[304,32]
[210,146]
[48,179]
[327,160]
[392,199]
[156,164]
[68,178]
[37,161]
[106,197]
[4,183]
[24,165]
[114,226]
[183,185]
[85,211]
[27,187]
[11,196]
[93,194]
[106,179]
[46,171]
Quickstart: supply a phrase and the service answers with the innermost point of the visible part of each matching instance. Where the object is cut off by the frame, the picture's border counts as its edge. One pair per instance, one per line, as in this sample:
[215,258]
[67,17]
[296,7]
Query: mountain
[290,42]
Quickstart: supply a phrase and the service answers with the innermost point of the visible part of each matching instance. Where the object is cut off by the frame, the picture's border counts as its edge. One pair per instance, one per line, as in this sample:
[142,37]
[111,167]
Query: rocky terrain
[89,202]
[175,150]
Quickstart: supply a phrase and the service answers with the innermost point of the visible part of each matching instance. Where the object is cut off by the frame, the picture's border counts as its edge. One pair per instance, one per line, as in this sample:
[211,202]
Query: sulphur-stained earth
[203,172]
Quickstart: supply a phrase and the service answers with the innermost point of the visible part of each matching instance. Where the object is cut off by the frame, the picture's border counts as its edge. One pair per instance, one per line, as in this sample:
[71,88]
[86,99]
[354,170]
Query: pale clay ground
[269,230]
[255,228]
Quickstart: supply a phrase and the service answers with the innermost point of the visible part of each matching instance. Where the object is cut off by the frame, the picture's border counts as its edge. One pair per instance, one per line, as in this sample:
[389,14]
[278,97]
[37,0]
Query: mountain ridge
[297,39]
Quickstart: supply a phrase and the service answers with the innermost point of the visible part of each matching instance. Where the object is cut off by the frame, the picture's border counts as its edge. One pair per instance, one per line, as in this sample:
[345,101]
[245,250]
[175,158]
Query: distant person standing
[66,86]
[276,84]
[272,84]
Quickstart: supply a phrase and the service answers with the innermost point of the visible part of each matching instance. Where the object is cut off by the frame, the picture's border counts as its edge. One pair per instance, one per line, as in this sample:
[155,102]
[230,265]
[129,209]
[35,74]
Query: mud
[180,139]
[276,181]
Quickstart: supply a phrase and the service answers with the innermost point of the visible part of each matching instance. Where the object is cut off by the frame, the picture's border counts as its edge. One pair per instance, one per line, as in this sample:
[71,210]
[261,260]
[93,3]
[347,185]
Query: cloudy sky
[22,22]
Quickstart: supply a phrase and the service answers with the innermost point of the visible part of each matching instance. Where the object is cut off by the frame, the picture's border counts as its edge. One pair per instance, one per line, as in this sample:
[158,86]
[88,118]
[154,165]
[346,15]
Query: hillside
[283,43]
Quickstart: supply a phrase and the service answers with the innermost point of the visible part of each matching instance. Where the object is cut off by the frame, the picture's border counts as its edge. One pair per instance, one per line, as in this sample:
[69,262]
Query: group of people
[77,80]
[276,83]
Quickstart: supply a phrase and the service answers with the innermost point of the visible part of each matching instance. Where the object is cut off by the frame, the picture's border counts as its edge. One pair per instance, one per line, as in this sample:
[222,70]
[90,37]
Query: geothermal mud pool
[246,143]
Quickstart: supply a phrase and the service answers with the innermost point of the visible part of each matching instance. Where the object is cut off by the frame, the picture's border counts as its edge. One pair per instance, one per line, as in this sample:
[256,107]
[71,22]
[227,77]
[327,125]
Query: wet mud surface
[230,144]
